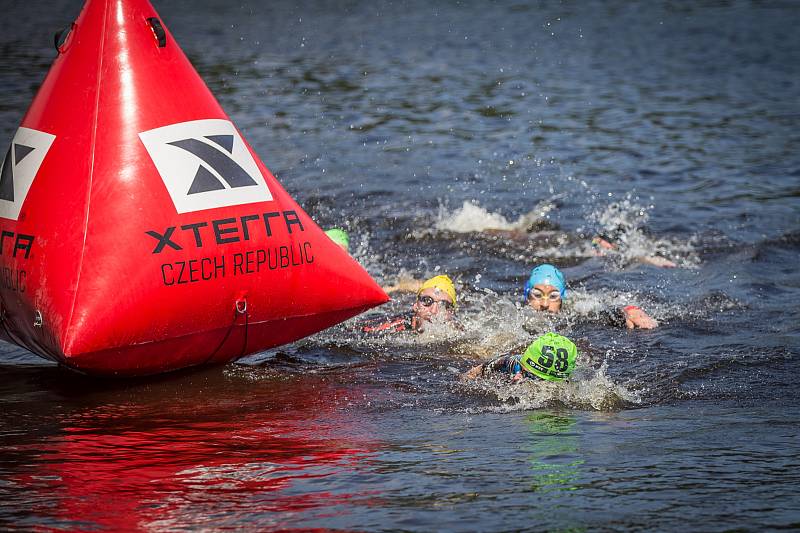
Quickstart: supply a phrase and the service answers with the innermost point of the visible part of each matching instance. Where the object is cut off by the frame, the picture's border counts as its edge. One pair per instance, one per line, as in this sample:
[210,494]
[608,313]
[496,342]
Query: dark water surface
[417,127]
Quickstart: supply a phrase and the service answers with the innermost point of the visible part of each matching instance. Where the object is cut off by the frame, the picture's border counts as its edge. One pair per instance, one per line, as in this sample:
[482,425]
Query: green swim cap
[339,236]
[551,357]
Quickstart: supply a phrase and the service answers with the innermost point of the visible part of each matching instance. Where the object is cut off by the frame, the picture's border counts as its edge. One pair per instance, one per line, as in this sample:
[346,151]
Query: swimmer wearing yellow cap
[436,299]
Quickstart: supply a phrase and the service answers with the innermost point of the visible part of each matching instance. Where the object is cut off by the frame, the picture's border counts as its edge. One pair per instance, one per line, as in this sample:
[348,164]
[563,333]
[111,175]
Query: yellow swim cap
[443,283]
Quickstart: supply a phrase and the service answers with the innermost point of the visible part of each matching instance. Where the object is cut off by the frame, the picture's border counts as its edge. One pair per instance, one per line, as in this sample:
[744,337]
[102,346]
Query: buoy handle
[158,31]
[61,36]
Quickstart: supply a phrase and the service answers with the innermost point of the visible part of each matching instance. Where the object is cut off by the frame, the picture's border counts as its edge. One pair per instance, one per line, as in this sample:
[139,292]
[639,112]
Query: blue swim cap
[546,275]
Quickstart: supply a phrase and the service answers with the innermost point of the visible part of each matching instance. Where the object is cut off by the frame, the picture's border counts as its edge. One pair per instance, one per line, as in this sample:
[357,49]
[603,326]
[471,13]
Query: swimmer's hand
[473,373]
[635,317]
[602,244]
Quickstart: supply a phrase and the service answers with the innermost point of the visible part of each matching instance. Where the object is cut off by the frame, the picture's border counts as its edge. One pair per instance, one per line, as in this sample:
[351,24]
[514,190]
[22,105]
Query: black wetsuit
[610,316]
[507,364]
[394,324]
[613,316]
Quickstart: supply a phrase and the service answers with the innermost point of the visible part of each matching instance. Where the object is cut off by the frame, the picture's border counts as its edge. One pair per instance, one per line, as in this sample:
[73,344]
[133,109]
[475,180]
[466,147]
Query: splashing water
[588,389]
[471,217]
[534,233]
[623,222]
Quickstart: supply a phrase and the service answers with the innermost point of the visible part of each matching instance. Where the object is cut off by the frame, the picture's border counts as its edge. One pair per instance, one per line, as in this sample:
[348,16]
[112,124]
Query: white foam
[624,220]
[590,389]
[471,217]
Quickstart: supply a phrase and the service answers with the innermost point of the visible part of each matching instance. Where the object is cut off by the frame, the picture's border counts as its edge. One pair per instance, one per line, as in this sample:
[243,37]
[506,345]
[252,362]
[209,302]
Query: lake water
[672,126]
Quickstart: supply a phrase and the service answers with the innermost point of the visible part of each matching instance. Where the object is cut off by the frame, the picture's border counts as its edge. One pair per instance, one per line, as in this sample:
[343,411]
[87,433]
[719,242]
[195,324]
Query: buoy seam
[68,330]
[211,330]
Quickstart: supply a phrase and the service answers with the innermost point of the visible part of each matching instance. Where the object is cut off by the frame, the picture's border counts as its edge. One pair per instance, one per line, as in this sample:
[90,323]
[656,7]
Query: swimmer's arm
[603,245]
[630,317]
[511,234]
[481,369]
[400,322]
[658,261]
[404,285]
[613,316]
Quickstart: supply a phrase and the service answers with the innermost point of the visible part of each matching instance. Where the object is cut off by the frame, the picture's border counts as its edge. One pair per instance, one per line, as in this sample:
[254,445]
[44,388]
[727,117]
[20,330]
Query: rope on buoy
[240,308]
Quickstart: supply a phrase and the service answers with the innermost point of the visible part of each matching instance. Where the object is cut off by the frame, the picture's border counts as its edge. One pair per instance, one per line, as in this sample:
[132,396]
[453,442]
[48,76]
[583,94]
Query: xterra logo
[205,164]
[22,162]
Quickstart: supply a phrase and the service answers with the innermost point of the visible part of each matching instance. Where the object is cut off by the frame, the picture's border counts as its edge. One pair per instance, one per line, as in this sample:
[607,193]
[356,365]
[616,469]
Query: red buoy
[139,232]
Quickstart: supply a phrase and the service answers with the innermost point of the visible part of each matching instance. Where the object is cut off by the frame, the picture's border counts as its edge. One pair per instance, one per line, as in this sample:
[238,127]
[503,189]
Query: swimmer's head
[436,297]
[551,357]
[545,289]
[340,237]
[440,284]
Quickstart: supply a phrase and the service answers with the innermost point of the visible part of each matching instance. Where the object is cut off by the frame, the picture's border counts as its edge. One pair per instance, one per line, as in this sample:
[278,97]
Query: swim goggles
[427,301]
[552,296]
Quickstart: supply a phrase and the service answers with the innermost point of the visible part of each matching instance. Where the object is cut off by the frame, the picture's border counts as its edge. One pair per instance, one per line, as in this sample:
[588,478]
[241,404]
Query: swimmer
[550,357]
[404,283]
[603,246]
[546,290]
[535,230]
[436,299]
[340,237]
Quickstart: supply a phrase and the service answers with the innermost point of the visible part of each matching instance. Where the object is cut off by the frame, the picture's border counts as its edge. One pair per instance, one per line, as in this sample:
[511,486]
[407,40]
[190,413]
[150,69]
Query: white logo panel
[20,166]
[205,164]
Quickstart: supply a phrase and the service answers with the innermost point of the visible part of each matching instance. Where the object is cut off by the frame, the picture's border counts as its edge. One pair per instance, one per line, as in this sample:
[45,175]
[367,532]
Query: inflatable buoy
[139,232]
